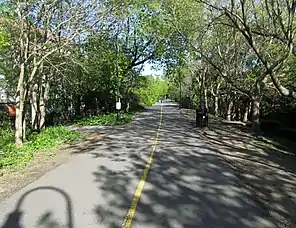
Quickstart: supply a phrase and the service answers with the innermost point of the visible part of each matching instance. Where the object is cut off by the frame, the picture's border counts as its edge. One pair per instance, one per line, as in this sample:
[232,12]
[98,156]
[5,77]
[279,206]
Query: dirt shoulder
[265,168]
[12,180]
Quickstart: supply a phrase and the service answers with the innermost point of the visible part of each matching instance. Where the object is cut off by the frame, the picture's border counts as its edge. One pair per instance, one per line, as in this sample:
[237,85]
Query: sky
[147,70]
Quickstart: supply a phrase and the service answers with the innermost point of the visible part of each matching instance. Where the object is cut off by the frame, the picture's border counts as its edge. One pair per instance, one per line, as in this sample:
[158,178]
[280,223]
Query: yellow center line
[127,222]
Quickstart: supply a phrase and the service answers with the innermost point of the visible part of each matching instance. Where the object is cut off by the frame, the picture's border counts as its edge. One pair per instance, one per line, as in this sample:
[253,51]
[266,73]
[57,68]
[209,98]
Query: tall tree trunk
[202,97]
[216,99]
[24,125]
[42,103]
[20,99]
[216,105]
[201,100]
[246,113]
[34,107]
[206,98]
[256,114]
[250,108]
[229,109]
[256,100]
[180,85]
[238,112]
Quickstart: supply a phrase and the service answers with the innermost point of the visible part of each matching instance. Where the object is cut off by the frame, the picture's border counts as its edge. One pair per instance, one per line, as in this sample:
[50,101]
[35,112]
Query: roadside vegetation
[235,59]
[60,70]
[12,156]
[53,135]
[108,119]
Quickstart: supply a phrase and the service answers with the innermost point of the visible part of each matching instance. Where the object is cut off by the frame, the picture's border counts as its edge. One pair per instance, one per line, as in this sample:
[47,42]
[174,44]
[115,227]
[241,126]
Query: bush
[109,119]
[186,102]
[150,90]
[13,156]
[6,130]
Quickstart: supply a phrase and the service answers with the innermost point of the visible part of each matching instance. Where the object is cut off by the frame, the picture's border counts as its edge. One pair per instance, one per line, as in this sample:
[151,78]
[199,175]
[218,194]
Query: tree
[43,30]
[268,27]
[222,48]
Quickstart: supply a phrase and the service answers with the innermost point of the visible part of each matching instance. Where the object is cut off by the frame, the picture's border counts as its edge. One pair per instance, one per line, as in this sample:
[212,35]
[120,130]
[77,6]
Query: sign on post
[118,105]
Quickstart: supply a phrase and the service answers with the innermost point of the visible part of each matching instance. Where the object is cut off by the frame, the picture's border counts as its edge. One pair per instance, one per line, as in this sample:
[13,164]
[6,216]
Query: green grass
[12,156]
[109,119]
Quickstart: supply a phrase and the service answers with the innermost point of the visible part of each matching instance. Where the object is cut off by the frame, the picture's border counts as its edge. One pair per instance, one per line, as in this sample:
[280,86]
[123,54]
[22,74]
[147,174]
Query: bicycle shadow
[14,219]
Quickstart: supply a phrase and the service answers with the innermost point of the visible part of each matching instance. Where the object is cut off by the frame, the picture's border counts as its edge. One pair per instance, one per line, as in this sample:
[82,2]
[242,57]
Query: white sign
[118,105]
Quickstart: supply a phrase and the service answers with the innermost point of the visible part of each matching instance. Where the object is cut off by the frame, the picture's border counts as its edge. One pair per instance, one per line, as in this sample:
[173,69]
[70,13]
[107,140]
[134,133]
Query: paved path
[187,186]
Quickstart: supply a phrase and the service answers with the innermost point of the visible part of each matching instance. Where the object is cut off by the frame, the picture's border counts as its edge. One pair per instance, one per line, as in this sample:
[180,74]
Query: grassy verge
[12,156]
[109,119]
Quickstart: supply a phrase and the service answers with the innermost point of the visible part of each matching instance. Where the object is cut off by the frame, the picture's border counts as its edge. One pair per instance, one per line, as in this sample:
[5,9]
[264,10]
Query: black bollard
[198,118]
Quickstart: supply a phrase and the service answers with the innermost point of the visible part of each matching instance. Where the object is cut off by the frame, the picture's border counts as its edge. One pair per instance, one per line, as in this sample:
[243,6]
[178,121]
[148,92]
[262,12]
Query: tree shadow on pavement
[46,220]
[134,137]
[191,183]
[188,185]
[268,171]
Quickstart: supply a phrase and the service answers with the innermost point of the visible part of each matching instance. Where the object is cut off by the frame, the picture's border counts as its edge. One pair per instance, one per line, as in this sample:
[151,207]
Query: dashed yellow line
[127,222]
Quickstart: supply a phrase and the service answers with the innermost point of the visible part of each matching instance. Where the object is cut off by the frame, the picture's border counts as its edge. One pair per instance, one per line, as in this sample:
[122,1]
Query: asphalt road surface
[187,184]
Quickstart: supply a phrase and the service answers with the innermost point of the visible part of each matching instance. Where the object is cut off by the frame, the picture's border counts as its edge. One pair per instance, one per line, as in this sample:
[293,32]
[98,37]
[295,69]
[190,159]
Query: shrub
[109,119]
[13,156]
